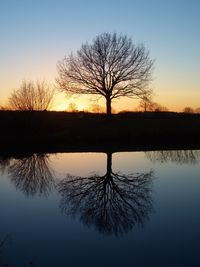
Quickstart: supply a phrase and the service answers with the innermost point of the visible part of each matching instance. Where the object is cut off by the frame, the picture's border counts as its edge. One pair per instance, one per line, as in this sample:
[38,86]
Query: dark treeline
[62,131]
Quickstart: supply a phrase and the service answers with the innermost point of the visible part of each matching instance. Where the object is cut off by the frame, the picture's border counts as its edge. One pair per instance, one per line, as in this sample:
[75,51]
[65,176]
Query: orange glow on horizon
[168,100]
[173,100]
[62,103]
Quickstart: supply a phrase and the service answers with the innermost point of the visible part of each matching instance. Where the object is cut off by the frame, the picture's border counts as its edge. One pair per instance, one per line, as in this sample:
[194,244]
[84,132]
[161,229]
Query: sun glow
[62,103]
[80,104]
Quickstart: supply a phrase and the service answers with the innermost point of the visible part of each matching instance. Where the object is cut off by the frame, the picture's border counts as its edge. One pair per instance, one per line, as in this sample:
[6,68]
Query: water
[98,209]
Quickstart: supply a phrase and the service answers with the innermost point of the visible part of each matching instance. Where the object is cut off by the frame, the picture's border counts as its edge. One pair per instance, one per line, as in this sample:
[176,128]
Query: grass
[62,131]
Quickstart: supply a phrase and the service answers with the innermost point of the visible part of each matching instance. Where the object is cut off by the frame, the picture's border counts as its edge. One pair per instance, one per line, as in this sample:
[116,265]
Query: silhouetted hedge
[62,130]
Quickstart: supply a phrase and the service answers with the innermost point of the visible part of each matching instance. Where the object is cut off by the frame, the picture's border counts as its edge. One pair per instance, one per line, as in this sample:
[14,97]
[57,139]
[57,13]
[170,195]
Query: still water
[100,209]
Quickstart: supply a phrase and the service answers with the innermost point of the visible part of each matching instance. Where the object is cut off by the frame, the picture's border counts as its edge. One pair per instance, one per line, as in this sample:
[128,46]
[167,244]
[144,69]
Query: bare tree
[112,67]
[159,107]
[113,203]
[197,110]
[146,102]
[2,107]
[4,163]
[96,108]
[188,110]
[177,156]
[32,96]
[72,107]
[147,105]
[32,175]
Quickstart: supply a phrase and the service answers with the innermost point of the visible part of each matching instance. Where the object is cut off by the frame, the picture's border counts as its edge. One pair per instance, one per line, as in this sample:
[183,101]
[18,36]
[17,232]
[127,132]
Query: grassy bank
[61,131]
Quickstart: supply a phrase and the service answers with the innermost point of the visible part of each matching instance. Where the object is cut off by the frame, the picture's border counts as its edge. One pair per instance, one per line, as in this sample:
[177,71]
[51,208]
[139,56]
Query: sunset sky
[35,34]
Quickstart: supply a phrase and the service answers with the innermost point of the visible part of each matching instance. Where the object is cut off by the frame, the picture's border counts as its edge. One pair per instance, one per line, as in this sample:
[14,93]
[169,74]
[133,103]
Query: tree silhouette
[177,156]
[72,107]
[111,67]
[32,175]
[32,96]
[146,103]
[113,203]
[188,110]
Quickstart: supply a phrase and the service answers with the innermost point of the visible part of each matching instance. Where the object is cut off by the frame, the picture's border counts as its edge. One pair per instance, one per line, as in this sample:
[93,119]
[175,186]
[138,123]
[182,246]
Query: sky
[36,34]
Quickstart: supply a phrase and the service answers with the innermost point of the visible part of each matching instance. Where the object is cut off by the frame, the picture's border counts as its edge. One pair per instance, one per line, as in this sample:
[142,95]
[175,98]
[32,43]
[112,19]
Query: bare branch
[112,66]
[112,203]
[32,96]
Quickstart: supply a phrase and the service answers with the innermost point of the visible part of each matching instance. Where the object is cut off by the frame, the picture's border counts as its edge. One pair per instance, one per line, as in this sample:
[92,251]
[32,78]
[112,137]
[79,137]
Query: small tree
[188,110]
[146,102]
[158,107]
[96,108]
[197,110]
[2,107]
[32,96]
[112,67]
[72,107]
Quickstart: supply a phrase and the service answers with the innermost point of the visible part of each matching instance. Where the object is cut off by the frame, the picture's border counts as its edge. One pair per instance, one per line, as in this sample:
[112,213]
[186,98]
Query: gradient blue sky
[35,34]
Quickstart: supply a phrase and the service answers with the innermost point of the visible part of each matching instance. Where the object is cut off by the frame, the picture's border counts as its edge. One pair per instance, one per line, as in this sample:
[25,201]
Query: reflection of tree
[178,156]
[3,244]
[32,174]
[4,163]
[4,241]
[114,202]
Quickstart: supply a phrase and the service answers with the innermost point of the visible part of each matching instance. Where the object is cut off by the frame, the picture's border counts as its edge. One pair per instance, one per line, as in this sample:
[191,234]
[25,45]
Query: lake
[100,209]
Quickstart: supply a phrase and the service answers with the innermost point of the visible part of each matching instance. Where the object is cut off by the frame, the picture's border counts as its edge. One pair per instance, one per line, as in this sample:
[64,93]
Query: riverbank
[62,131]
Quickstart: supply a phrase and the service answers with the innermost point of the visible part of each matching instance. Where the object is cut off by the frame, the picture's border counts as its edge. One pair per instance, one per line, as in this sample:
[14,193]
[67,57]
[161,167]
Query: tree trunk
[108,107]
[145,106]
[109,163]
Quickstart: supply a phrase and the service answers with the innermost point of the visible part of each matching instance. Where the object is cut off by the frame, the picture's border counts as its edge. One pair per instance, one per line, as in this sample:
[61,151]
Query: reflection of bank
[31,174]
[4,163]
[6,256]
[177,156]
[113,203]
[4,241]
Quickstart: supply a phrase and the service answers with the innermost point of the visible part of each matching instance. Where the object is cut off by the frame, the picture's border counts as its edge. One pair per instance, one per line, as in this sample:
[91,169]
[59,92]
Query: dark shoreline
[54,132]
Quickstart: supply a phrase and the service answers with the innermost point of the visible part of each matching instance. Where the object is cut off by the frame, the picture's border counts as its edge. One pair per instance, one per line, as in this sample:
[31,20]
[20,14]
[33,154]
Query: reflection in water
[177,156]
[4,163]
[4,245]
[5,240]
[32,174]
[113,203]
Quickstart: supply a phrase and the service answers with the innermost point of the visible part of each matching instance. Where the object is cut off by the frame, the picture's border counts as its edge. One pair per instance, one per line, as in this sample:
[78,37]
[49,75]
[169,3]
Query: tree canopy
[113,203]
[111,67]
[32,96]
